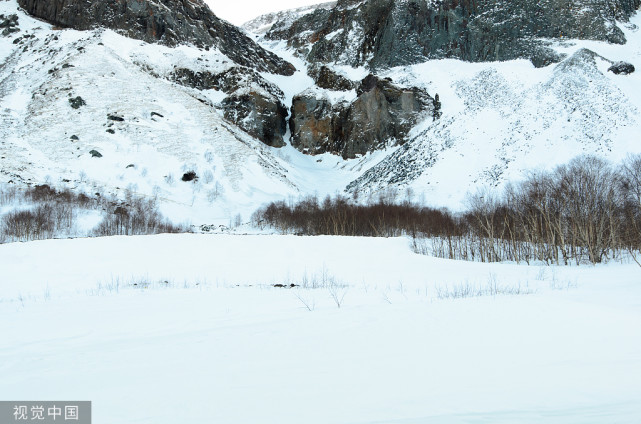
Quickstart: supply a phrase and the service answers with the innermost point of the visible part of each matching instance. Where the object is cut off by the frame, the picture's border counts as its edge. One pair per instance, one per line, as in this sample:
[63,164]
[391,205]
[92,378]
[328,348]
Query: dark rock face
[315,124]
[330,80]
[622,68]
[77,102]
[170,22]
[386,33]
[254,104]
[382,114]
[259,114]
[227,81]
[9,24]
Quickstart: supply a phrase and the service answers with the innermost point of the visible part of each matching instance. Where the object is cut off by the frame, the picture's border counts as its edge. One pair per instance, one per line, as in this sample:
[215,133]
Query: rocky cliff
[252,103]
[382,114]
[170,22]
[387,33]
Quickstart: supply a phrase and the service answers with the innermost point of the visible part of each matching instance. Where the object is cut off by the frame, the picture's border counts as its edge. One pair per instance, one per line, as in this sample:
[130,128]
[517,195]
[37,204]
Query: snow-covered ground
[188,328]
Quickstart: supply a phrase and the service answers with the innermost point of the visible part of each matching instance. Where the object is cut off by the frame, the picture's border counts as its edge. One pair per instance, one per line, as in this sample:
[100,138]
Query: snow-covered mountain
[255,131]
[264,23]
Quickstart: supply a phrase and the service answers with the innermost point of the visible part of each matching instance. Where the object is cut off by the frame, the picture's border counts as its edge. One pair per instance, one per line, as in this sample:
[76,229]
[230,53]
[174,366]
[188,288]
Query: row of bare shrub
[39,212]
[137,217]
[584,211]
[42,212]
[340,216]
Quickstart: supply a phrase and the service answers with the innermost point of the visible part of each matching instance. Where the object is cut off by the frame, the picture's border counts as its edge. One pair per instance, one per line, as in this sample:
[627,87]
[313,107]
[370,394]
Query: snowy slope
[208,339]
[166,129]
[499,120]
[184,132]
[502,119]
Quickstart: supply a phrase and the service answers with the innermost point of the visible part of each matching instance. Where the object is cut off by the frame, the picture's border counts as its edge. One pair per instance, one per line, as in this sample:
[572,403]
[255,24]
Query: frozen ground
[210,340]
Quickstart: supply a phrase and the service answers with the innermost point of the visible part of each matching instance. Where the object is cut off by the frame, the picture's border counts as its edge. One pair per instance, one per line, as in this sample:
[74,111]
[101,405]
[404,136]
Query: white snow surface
[209,339]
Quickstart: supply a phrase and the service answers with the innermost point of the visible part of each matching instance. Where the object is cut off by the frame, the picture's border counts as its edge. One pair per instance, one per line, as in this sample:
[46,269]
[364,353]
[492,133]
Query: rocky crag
[388,33]
[382,114]
[252,102]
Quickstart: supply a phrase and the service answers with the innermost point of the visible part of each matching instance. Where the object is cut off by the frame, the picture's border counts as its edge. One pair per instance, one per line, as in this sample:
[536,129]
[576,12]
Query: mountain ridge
[388,33]
[170,22]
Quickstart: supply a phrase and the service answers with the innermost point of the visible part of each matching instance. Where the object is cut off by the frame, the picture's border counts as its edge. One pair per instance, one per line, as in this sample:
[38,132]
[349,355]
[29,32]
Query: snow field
[217,342]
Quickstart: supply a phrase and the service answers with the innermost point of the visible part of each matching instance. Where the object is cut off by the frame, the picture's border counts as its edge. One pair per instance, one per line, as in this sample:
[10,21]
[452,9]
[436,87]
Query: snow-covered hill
[501,119]
[65,93]
[149,130]
[505,118]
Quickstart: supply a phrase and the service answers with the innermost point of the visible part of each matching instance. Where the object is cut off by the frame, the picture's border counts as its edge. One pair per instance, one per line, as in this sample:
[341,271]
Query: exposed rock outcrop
[315,123]
[382,114]
[228,81]
[621,68]
[170,22]
[253,103]
[326,78]
[263,23]
[9,24]
[259,114]
[386,33]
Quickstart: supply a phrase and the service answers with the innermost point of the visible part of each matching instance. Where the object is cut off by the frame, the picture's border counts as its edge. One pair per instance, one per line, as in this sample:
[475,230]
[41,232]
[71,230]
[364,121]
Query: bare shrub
[578,212]
[137,217]
[337,292]
[468,290]
[46,212]
[630,188]
[29,224]
[9,194]
[307,300]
